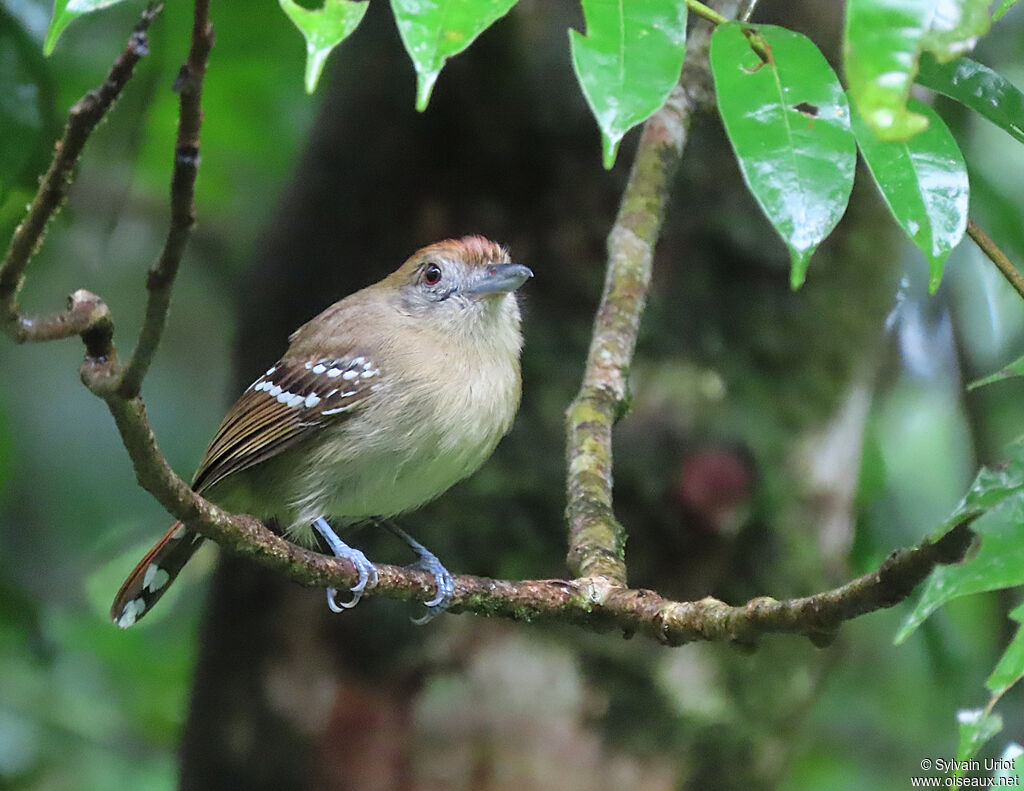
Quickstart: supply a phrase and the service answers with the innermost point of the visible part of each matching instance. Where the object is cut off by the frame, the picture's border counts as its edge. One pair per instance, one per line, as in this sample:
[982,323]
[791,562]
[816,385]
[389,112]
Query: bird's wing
[291,400]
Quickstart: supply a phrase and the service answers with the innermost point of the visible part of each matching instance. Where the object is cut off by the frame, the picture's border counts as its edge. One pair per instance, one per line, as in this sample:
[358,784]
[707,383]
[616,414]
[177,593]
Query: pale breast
[410,447]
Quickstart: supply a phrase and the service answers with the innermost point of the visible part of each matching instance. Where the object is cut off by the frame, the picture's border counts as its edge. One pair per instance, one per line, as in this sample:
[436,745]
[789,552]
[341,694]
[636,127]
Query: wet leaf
[882,42]
[324,29]
[1010,668]
[1002,8]
[65,12]
[996,498]
[789,123]
[435,30]
[955,27]
[972,84]
[628,62]
[1016,368]
[924,182]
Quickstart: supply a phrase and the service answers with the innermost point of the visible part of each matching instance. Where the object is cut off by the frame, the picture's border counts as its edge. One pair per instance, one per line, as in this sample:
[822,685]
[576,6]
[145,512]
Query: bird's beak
[501,279]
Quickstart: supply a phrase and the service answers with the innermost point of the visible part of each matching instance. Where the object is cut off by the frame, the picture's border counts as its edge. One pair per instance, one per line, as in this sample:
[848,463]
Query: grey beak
[501,278]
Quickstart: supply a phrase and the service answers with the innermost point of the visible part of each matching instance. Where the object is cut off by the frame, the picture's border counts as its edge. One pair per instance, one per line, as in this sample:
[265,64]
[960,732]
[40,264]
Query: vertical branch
[82,120]
[596,538]
[160,279]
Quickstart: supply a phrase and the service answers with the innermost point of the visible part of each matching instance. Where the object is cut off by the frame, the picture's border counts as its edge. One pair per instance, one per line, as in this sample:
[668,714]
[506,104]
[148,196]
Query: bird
[380,404]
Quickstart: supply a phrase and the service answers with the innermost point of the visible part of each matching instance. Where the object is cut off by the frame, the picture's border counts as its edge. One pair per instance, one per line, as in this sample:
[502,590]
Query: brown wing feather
[287,403]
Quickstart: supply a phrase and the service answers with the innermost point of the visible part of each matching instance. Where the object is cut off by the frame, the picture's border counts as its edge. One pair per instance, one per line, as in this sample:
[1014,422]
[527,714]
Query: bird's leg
[427,561]
[367,571]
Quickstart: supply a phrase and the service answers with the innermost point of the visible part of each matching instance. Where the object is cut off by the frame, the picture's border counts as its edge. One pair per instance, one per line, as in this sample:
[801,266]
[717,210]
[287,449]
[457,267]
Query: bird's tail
[154,574]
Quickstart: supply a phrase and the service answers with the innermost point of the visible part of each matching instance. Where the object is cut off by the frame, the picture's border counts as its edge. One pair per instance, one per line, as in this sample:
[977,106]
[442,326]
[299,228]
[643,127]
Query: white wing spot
[349,375]
[312,400]
[336,410]
[274,391]
[295,399]
[270,370]
[358,360]
[155,578]
[319,368]
[333,372]
[131,612]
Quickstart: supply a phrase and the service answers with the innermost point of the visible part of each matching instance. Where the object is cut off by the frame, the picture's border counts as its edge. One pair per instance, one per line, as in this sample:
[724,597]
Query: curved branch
[597,602]
[83,118]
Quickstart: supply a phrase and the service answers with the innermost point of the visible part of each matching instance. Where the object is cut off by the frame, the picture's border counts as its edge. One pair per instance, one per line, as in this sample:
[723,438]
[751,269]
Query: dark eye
[431,274]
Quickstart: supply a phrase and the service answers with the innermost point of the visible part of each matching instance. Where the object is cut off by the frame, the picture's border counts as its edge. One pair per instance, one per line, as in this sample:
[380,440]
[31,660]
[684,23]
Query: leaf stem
[996,256]
[710,14]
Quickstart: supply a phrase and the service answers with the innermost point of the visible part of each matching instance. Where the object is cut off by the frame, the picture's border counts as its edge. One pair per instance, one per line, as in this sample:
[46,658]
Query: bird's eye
[431,274]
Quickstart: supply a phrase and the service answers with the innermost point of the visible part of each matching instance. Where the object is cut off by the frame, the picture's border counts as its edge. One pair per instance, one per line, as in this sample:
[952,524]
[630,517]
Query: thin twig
[996,256]
[160,279]
[82,119]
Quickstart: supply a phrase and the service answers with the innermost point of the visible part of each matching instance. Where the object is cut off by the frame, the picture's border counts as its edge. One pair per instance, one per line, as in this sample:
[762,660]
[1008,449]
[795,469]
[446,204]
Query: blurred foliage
[83,705]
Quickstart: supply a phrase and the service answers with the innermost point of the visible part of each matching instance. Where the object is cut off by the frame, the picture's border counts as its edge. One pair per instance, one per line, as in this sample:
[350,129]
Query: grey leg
[367,571]
[427,561]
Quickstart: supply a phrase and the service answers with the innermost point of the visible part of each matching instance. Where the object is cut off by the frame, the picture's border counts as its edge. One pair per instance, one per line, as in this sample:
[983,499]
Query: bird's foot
[367,571]
[427,561]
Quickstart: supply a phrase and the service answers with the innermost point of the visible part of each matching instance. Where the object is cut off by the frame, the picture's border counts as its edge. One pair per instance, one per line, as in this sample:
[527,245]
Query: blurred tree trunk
[733,372]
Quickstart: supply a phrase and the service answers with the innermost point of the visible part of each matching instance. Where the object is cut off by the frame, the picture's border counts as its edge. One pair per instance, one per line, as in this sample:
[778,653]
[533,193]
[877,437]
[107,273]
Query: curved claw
[345,605]
[367,571]
[445,588]
[427,561]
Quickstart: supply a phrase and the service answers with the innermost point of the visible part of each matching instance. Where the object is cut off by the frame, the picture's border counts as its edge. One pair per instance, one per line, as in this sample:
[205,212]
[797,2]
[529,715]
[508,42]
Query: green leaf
[64,12]
[977,726]
[1010,668]
[924,182]
[972,84]
[1016,368]
[882,42]
[880,47]
[628,62]
[1002,8]
[955,27]
[324,29]
[789,123]
[435,30]
[995,503]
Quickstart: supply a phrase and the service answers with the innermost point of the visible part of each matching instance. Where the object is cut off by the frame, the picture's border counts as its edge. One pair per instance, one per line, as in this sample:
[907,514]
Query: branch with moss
[596,538]
[598,597]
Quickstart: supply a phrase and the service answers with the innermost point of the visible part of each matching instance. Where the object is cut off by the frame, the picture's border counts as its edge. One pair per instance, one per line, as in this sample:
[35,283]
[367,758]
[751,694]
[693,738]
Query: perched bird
[380,404]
